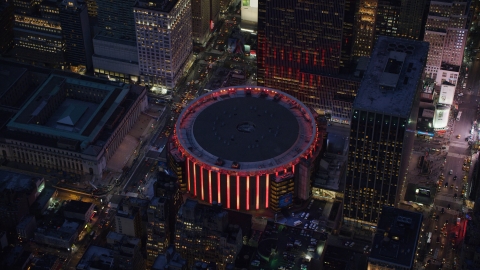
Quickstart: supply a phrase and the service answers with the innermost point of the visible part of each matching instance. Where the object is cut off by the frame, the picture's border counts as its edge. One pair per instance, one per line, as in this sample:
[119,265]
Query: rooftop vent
[404,220]
[219,162]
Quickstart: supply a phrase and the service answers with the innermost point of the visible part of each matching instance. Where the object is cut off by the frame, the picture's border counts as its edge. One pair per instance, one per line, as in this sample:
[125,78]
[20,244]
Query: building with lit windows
[293,58]
[38,40]
[392,18]
[396,240]
[446,31]
[157,228]
[167,187]
[92,8]
[76,34]
[204,16]
[238,145]
[115,47]
[72,125]
[126,251]
[382,111]
[282,191]
[129,216]
[163,29]
[116,18]
[169,260]
[202,233]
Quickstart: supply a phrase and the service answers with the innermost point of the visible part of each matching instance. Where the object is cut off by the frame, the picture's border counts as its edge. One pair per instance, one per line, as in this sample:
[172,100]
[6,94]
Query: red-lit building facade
[234,146]
[305,51]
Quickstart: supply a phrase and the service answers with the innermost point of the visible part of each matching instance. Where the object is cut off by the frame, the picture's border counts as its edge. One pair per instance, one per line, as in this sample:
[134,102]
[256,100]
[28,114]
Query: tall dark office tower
[116,18]
[401,18]
[378,138]
[295,36]
[38,35]
[76,33]
[6,26]
[92,8]
[300,47]
[200,21]
[204,16]
[393,18]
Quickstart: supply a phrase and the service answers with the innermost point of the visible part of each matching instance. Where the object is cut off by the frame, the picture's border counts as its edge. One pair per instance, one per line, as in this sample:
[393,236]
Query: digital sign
[447,93]
[285,200]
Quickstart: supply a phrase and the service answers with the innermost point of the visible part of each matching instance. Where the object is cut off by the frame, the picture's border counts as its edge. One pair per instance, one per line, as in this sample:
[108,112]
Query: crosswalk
[457,144]
[450,154]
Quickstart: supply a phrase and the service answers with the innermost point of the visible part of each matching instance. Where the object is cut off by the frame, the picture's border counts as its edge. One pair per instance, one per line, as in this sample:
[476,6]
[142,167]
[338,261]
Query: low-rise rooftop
[18,182]
[97,258]
[396,239]
[393,76]
[77,207]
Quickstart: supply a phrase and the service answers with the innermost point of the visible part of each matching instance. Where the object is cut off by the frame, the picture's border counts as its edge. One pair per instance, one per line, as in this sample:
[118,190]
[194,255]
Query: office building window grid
[375,149]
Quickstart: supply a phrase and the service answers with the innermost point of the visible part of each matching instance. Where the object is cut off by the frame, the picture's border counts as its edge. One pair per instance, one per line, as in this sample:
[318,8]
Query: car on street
[459,136]
[446,184]
[454,178]
[450,172]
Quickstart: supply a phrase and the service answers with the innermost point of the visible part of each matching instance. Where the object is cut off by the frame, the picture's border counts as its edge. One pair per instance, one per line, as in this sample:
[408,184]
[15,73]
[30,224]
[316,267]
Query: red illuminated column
[248,192]
[267,190]
[188,176]
[210,186]
[238,192]
[194,180]
[257,203]
[218,188]
[202,190]
[228,191]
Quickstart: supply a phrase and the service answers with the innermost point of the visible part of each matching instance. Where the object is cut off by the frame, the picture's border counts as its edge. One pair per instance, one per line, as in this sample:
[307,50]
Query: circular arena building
[246,147]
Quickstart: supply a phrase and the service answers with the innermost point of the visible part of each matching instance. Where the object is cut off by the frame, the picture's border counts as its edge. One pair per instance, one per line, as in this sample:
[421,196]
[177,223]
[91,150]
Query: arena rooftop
[255,127]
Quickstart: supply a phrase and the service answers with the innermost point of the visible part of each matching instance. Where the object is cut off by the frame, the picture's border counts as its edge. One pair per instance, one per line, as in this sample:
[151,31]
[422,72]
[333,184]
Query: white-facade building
[446,32]
[164,40]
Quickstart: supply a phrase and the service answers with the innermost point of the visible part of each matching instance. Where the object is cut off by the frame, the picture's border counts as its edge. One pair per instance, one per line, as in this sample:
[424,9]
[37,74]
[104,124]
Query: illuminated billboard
[249,10]
[441,117]
[285,200]
[447,93]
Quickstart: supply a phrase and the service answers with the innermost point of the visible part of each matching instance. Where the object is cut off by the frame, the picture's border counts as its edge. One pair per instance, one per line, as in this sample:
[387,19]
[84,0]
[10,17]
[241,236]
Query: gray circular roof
[245,129]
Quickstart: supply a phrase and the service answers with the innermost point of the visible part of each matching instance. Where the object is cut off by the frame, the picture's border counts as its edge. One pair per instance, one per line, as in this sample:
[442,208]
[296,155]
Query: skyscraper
[302,48]
[115,47]
[378,138]
[164,34]
[76,33]
[6,26]
[204,234]
[38,36]
[116,18]
[387,18]
[200,20]
[446,31]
